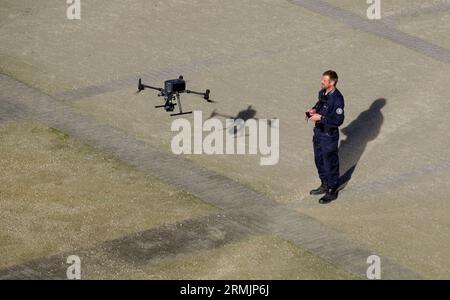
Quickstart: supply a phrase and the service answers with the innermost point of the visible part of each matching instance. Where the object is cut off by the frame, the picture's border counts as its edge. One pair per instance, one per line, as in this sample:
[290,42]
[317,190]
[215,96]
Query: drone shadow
[359,133]
[246,114]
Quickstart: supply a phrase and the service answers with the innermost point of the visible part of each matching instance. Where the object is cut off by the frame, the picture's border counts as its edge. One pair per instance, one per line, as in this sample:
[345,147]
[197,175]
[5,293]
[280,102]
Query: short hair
[333,76]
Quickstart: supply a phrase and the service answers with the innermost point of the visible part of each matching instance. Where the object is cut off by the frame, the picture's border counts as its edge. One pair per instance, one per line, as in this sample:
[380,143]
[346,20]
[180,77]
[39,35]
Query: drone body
[171,93]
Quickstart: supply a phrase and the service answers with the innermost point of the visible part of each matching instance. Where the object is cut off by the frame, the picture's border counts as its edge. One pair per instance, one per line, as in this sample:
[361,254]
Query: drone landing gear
[180,112]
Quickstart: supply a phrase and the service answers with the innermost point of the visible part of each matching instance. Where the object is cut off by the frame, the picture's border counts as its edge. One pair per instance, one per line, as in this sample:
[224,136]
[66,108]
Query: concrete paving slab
[268,54]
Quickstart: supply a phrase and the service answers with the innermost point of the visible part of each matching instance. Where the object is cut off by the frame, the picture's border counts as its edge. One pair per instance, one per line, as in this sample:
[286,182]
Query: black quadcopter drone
[171,92]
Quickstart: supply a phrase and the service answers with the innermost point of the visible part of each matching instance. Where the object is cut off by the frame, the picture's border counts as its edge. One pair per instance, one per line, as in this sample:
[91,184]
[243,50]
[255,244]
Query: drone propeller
[206,96]
[140,86]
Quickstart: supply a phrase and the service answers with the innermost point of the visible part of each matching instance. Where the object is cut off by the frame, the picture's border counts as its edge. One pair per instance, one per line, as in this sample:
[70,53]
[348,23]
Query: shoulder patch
[339,111]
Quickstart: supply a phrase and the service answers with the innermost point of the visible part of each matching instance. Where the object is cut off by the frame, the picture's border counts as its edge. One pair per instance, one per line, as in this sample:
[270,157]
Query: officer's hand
[311,111]
[315,117]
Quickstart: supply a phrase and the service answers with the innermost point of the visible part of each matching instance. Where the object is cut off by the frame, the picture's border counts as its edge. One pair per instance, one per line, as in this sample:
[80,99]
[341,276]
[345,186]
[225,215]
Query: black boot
[331,195]
[322,189]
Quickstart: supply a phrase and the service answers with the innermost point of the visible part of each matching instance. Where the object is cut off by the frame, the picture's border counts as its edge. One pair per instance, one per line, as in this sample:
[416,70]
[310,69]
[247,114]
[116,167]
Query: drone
[171,92]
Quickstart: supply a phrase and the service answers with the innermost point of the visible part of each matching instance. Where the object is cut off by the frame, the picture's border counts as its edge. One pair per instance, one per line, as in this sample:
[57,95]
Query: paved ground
[254,213]
[268,54]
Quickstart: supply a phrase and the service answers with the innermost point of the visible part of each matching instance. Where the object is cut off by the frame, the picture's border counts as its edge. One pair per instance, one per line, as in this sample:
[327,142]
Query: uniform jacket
[331,107]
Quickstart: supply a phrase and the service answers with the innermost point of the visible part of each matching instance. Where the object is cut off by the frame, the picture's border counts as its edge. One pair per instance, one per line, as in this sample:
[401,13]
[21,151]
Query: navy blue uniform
[326,136]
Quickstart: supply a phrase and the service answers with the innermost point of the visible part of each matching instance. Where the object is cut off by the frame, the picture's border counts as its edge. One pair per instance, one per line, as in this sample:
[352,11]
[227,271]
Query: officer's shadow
[359,132]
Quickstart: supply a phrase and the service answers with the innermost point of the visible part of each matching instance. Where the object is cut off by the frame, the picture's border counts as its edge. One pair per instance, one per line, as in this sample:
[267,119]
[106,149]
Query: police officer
[328,115]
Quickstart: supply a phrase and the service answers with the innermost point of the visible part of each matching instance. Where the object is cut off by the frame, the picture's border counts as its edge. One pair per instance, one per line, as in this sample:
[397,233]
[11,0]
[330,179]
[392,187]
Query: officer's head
[329,79]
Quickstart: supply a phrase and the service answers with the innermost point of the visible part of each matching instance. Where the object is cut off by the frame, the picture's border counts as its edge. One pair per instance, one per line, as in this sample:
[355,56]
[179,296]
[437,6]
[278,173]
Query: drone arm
[142,86]
[151,87]
[205,94]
